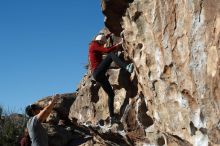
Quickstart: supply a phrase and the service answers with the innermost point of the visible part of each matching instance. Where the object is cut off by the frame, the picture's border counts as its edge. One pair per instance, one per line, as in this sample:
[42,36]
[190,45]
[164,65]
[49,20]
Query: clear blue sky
[43,47]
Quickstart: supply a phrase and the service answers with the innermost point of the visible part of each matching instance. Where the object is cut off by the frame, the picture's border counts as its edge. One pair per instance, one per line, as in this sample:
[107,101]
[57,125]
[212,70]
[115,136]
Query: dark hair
[30,108]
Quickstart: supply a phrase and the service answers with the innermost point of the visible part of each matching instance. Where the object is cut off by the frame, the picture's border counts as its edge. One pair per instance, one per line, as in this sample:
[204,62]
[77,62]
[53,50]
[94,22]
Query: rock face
[173,96]
[175,47]
[113,11]
[61,131]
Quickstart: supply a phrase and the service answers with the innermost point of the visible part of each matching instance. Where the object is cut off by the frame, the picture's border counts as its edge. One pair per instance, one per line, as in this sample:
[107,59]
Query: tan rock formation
[61,131]
[172,98]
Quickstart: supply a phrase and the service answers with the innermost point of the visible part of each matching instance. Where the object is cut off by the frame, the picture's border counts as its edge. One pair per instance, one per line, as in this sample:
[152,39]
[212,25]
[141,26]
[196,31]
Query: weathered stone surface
[174,46]
[173,96]
[61,131]
[61,109]
[113,11]
[91,102]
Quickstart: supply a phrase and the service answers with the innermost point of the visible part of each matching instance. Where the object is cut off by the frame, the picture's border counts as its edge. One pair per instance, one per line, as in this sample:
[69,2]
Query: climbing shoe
[130,67]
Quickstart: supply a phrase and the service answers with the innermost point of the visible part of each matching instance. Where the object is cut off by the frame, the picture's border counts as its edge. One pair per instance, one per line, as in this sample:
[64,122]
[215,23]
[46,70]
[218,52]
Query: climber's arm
[42,116]
[106,50]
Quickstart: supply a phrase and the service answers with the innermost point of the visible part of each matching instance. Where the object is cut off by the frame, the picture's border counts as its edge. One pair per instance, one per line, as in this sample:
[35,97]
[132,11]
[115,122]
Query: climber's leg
[108,89]
[117,60]
[103,66]
[103,80]
[121,64]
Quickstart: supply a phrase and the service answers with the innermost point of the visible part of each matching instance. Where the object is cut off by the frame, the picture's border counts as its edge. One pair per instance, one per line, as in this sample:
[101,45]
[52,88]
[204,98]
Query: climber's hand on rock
[55,98]
[119,44]
[122,34]
[121,41]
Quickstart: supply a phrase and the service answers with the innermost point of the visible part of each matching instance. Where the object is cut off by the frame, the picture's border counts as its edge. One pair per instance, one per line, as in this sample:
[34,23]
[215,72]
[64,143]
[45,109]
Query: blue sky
[43,47]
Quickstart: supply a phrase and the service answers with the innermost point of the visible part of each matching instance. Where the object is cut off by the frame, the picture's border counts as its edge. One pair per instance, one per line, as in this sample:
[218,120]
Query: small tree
[1,110]
[11,128]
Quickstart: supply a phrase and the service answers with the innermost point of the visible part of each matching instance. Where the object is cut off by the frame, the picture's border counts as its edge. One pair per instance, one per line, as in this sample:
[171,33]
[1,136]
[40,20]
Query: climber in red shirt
[100,66]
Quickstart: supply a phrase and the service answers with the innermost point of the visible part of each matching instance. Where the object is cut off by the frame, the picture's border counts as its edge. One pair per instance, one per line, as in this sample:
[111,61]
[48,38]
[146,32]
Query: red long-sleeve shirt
[96,51]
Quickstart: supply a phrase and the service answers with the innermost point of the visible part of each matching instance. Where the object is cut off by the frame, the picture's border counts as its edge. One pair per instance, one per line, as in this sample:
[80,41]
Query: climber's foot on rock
[130,67]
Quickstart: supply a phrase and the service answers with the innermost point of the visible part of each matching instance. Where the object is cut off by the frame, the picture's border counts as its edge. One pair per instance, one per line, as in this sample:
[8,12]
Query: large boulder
[175,48]
[61,131]
[172,98]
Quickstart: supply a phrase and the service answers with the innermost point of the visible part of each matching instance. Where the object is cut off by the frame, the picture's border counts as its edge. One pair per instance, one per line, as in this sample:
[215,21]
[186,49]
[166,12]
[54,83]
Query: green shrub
[1,110]
[11,128]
